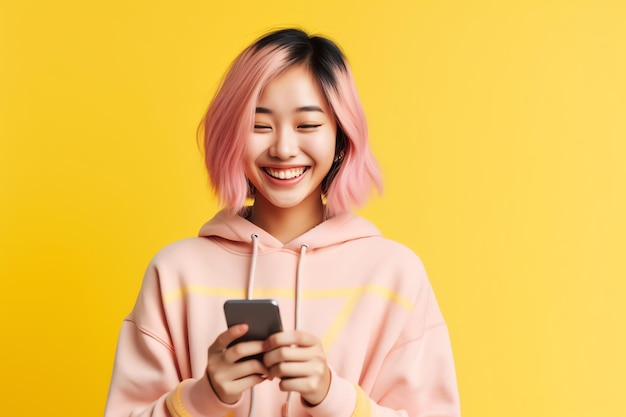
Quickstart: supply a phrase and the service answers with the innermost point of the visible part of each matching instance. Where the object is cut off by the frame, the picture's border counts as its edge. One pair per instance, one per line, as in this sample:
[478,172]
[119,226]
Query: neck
[285,224]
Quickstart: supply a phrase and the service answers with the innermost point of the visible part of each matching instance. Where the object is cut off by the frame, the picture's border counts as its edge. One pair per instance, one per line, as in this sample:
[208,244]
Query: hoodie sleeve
[431,393]
[149,376]
[417,378]
[418,374]
[430,389]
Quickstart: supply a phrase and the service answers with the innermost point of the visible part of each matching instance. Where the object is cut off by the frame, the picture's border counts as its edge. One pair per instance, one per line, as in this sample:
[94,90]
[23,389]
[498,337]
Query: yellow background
[500,128]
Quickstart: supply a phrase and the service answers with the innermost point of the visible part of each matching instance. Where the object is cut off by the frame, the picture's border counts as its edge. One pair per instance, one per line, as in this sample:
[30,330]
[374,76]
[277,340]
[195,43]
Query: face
[292,146]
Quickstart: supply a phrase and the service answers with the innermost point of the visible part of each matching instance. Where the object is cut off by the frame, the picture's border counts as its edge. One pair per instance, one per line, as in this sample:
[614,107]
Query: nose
[285,144]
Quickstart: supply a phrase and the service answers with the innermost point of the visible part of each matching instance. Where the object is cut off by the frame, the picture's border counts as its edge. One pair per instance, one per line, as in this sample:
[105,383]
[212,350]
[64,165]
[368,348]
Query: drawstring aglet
[286,409]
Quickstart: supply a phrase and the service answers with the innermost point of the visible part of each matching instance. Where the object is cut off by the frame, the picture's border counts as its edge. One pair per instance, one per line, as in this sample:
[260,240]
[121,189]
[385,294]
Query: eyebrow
[265,110]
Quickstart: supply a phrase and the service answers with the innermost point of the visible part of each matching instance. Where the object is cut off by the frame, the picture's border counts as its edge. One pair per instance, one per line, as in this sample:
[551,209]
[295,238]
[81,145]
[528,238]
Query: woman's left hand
[298,359]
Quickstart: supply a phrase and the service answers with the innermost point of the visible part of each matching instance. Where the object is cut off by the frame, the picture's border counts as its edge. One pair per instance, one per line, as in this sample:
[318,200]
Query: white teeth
[285,174]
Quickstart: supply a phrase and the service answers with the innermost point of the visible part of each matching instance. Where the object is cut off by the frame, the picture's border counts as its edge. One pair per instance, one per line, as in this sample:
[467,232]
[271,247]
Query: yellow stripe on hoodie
[348,292]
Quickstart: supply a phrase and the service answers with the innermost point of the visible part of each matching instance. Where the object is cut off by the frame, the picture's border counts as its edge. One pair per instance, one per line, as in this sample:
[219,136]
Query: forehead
[296,84]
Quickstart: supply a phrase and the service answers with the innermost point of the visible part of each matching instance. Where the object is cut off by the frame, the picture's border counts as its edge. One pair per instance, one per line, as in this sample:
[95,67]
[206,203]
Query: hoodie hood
[336,230]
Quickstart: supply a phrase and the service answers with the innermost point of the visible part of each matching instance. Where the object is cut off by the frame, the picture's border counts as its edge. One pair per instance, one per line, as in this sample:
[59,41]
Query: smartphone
[261,316]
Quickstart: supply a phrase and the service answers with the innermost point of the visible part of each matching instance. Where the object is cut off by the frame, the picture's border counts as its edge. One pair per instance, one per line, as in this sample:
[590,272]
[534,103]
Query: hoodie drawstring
[296,319]
[255,251]
[251,273]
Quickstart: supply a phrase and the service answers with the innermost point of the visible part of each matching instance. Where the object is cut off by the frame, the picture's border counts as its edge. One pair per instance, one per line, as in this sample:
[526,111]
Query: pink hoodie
[367,298]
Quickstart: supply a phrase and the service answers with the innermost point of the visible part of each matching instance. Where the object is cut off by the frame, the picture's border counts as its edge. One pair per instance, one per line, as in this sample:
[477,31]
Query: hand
[298,359]
[228,377]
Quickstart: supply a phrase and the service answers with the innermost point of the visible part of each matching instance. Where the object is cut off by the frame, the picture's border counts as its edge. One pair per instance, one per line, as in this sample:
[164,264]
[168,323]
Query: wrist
[341,399]
[319,395]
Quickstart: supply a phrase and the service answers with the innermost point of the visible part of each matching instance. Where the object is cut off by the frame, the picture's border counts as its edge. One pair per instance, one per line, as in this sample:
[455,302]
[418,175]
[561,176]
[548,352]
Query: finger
[242,350]
[221,372]
[230,380]
[301,384]
[293,354]
[290,370]
[242,370]
[230,391]
[224,339]
[290,338]
[313,390]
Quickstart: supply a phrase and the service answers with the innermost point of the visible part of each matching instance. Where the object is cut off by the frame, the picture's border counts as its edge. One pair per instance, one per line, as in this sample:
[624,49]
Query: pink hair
[227,126]
[359,170]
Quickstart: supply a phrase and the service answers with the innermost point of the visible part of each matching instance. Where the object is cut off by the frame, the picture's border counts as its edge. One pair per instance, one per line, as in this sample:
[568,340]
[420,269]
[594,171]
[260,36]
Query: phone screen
[261,316]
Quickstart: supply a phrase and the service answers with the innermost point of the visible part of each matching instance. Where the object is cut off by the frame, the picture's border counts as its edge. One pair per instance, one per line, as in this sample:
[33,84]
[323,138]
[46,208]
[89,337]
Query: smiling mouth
[285,174]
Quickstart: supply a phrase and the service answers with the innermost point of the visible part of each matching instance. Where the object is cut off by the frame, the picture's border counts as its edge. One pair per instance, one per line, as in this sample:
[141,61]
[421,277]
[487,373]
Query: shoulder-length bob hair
[229,120]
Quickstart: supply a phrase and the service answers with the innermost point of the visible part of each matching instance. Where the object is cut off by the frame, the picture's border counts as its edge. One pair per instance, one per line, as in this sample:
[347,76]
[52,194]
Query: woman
[363,333]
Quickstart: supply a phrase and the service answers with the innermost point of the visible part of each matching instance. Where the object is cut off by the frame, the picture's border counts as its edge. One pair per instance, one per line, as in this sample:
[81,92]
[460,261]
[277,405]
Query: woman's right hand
[228,377]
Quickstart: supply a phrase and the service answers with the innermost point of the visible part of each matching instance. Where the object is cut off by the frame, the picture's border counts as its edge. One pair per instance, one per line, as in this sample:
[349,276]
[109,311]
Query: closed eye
[309,126]
[262,128]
